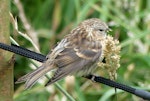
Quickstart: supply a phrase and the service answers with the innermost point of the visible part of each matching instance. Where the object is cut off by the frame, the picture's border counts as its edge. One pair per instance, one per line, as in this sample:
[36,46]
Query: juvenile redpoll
[76,54]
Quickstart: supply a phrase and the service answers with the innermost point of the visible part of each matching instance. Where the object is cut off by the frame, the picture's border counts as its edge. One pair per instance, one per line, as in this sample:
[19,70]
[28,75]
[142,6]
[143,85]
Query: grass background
[53,19]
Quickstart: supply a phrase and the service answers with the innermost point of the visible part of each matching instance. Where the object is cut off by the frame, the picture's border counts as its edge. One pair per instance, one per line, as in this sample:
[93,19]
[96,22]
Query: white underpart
[103,48]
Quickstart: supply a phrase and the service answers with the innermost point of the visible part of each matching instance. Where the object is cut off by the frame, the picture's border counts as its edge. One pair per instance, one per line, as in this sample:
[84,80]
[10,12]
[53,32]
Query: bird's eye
[101,30]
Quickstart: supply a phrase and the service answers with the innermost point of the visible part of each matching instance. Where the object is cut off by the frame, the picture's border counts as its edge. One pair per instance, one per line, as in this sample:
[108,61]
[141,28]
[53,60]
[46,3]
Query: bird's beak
[108,30]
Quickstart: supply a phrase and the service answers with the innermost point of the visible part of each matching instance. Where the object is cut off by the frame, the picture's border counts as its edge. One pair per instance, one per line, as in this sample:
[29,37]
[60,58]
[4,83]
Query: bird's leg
[91,77]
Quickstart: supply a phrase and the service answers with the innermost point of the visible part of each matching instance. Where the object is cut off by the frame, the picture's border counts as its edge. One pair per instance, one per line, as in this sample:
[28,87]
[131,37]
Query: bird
[76,54]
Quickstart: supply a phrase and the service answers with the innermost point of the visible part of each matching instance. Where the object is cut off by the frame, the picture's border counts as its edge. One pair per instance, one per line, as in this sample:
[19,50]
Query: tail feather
[31,78]
[27,76]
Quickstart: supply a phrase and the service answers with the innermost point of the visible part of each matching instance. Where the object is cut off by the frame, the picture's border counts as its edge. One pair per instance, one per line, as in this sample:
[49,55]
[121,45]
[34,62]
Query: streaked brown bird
[76,54]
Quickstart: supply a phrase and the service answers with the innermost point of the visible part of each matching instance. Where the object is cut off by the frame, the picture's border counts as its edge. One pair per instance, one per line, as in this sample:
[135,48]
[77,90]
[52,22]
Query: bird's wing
[75,57]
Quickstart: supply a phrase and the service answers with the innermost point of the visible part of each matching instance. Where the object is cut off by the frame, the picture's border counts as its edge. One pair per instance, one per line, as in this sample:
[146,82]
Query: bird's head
[95,28]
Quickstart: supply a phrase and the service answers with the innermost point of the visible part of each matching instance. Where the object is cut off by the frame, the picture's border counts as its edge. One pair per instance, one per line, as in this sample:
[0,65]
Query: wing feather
[75,58]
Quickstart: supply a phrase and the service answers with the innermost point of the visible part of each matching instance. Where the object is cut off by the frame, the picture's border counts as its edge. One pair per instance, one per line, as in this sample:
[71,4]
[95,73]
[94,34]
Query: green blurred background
[51,20]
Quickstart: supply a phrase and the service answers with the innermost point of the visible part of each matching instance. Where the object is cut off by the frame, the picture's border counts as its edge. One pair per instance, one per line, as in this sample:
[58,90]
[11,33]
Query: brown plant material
[30,31]
[112,57]
[6,58]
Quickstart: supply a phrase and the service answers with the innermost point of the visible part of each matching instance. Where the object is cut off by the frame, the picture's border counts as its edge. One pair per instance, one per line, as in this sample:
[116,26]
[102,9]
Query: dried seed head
[112,57]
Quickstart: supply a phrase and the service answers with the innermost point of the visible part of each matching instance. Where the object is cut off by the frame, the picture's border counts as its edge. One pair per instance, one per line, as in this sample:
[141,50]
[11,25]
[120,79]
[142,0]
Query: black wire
[29,54]
[141,93]
[24,52]
[41,58]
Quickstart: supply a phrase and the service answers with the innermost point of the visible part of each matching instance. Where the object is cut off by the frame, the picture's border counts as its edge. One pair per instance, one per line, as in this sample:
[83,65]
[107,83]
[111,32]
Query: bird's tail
[31,78]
